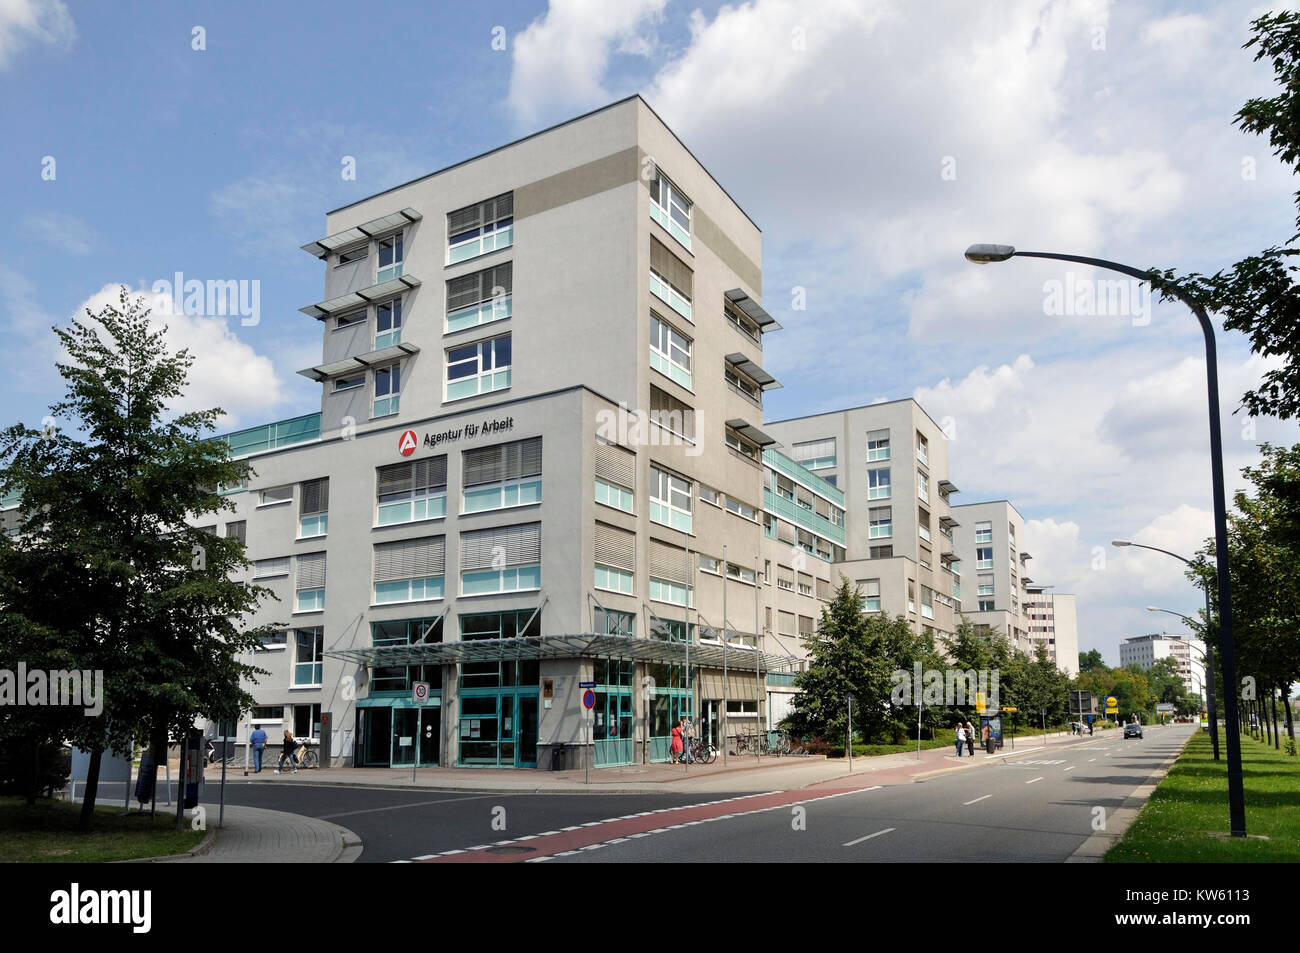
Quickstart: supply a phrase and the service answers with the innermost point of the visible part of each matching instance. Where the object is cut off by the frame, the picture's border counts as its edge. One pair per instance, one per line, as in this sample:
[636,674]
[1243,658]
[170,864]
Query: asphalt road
[1036,808]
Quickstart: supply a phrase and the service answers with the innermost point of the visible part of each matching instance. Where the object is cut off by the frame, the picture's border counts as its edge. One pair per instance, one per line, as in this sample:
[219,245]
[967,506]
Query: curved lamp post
[983,254]
[1207,656]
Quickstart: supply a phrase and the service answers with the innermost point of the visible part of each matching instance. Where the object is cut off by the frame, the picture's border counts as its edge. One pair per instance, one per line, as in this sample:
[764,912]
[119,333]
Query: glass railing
[780,506]
[282,433]
[783,464]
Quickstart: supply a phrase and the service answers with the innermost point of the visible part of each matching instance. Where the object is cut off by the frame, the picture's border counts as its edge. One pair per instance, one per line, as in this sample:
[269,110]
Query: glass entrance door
[406,727]
[499,729]
[526,750]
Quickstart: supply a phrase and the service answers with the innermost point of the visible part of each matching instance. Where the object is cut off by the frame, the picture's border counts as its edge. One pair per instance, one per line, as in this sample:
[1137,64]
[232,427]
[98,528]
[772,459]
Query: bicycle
[703,753]
[306,756]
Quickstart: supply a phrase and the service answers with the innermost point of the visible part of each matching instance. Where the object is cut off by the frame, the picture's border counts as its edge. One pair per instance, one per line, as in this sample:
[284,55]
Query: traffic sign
[1009,708]
[1111,702]
[979,702]
[586,684]
[589,698]
[419,692]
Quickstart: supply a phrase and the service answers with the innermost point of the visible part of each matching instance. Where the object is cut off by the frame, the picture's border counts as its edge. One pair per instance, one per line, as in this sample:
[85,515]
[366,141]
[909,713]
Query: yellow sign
[979,702]
[1111,702]
[1011,709]
[1112,711]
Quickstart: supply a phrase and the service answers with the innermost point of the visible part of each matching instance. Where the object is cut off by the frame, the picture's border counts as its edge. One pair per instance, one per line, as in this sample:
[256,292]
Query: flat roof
[962,506]
[542,132]
[845,410]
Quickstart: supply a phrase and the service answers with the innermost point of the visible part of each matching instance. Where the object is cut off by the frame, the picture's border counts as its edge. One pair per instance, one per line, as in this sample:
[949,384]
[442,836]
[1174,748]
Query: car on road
[1133,730]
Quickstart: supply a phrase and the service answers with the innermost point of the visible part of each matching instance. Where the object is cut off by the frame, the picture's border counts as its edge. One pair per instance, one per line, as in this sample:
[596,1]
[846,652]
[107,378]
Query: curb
[203,847]
[1094,849]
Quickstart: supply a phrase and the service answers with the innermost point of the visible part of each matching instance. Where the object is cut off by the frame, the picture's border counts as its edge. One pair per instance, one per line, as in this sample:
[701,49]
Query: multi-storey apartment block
[1189,653]
[1053,622]
[989,544]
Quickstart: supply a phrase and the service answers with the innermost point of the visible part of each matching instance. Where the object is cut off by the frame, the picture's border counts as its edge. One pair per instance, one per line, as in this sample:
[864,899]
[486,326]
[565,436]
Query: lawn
[46,833]
[1192,801]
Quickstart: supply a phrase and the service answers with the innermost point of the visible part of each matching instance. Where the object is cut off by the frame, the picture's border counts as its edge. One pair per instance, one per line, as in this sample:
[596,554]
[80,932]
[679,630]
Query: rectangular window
[927,602]
[676,593]
[878,484]
[784,578]
[880,552]
[923,524]
[985,585]
[388,389]
[815,454]
[881,522]
[741,321]
[911,595]
[478,368]
[615,477]
[238,530]
[352,319]
[870,594]
[670,499]
[750,451]
[480,298]
[984,532]
[742,384]
[480,228]
[611,622]
[710,495]
[986,605]
[408,492]
[501,476]
[742,509]
[923,486]
[922,448]
[614,550]
[390,259]
[313,507]
[273,641]
[670,352]
[388,323]
[984,557]
[348,383]
[306,722]
[671,209]
[359,253]
[410,570]
[671,280]
[274,495]
[270,568]
[309,655]
[805,583]
[309,593]
[672,415]
[502,559]
[878,445]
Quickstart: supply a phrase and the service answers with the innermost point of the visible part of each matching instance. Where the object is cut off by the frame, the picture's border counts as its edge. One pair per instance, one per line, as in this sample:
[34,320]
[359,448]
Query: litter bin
[557,757]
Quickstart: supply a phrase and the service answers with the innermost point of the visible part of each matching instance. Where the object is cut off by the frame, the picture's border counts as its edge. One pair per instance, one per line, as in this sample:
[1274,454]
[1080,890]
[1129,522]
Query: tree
[1258,295]
[142,596]
[1090,660]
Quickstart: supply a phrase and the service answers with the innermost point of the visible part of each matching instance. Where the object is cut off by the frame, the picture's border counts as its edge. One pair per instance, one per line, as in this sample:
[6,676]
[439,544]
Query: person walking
[287,752]
[986,737]
[687,753]
[1089,729]
[258,740]
[675,749]
[970,739]
[960,737]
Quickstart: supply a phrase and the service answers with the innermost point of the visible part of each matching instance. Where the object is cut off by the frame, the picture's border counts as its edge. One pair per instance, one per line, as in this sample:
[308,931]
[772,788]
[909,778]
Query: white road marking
[977,800]
[1071,767]
[868,837]
[1035,779]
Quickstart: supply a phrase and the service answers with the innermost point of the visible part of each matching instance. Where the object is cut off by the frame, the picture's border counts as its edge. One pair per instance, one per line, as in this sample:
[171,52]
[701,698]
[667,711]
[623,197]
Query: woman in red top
[677,747]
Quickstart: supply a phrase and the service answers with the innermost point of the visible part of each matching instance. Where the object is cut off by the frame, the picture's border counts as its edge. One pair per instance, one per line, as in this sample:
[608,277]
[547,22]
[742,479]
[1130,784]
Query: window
[742,509]
[615,558]
[984,532]
[742,385]
[870,594]
[309,645]
[672,415]
[388,323]
[348,383]
[615,477]
[670,499]
[390,259]
[670,352]
[880,552]
[740,445]
[407,492]
[306,721]
[985,581]
[313,507]
[923,486]
[388,388]
[273,641]
[270,568]
[984,557]
[837,516]
[359,253]
[709,495]
[742,573]
[275,495]
[986,605]
[878,445]
[880,522]
[501,476]
[927,602]
[478,368]
[410,570]
[676,593]
[741,321]
[478,229]
[671,209]
[310,590]
[238,530]
[500,625]
[480,298]
[878,484]
[503,559]
[805,584]
[784,578]
[922,448]
[350,320]
[671,280]
[785,623]
[923,524]
[815,454]
[911,595]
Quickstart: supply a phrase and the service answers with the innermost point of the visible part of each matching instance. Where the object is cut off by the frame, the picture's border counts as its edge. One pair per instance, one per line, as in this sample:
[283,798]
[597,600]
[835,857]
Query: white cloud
[40,21]
[561,58]
[64,232]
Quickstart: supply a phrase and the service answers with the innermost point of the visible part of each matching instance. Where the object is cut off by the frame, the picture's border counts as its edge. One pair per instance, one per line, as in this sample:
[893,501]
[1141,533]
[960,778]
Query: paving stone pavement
[253,835]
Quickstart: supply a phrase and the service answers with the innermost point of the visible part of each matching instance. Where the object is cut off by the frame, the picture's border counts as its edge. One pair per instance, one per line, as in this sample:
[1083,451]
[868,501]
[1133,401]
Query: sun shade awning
[356,299]
[948,486]
[750,432]
[703,654]
[752,309]
[359,362]
[948,522]
[322,247]
[752,370]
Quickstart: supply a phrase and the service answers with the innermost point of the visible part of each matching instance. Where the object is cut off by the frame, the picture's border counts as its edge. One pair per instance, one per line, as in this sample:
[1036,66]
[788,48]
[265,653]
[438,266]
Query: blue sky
[870,140]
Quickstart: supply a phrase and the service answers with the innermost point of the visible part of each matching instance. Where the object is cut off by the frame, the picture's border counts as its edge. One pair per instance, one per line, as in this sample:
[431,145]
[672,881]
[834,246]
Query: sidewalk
[252,835]
[738,774]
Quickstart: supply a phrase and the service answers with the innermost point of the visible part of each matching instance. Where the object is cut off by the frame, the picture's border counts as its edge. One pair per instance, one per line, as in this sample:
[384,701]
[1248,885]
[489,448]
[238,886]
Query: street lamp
[1209,655]
[1205,654]
[983,254]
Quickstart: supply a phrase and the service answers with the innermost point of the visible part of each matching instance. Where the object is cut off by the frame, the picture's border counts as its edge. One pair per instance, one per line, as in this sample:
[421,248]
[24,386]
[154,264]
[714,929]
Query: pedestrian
[1089,728]
[675,749]
[986,737]
[287,752]
[960,737]
[689,756]
[258,740]
[970,739]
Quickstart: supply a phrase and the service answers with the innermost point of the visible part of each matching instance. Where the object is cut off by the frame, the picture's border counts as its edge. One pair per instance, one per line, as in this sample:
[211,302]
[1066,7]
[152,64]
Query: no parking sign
[589,698]
[419,692]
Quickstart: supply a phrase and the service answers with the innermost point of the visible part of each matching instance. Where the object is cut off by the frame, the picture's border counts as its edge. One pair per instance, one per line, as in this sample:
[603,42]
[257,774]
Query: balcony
[783,464]
[807,519]
[244,443]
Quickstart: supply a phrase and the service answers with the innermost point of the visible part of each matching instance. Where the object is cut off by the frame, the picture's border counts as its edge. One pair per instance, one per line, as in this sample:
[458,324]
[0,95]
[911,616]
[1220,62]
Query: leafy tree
[1090,660]
[141,595]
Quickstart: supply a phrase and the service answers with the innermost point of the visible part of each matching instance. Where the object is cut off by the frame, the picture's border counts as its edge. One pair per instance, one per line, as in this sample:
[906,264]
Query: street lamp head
[1154,609]
[983,254]
[1120,542]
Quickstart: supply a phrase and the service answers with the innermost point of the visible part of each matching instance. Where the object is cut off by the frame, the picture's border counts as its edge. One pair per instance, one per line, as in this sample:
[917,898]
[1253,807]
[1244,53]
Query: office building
[1145,650]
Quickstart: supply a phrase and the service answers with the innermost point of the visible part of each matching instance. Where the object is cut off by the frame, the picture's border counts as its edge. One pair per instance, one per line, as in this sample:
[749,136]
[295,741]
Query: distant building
[1053,621]
[1146,650]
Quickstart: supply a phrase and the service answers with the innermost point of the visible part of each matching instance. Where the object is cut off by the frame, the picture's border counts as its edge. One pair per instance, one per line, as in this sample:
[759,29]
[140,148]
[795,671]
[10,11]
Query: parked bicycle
[305,756]
[703,752]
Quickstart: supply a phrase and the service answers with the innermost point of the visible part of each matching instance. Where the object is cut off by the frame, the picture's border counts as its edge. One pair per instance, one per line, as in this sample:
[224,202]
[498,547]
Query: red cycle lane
[540,846]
